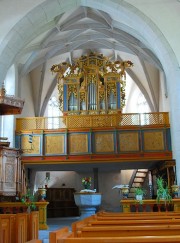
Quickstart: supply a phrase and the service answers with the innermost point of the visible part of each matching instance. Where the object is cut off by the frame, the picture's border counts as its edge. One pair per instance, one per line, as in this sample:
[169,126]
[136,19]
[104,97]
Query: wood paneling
[10,167]
[18,228]
[61,202]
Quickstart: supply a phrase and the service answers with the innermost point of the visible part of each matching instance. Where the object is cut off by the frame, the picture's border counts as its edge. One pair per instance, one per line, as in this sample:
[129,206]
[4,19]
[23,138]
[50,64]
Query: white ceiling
[41,33]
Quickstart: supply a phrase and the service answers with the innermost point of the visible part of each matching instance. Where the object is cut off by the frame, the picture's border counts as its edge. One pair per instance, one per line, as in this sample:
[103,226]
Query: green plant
[28,199]
[140,191]
[162,190]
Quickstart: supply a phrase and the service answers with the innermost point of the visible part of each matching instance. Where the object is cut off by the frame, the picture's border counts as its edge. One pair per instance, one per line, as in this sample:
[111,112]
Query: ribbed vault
[63,31]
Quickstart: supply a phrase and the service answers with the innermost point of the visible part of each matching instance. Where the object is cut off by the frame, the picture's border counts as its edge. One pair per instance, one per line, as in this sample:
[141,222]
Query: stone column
[174,95]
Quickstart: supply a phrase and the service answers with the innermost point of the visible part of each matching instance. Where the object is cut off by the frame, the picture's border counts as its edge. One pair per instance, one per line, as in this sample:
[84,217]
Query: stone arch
[42,18]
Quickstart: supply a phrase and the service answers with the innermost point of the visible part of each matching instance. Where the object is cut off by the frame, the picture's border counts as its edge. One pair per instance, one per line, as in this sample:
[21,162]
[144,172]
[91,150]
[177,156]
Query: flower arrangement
[86,182]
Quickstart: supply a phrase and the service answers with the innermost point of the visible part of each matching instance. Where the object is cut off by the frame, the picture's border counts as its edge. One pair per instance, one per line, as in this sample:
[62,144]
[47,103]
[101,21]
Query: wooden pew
[123,227]
[19,228]
[21,234]
[102,221]
[7,228]
[133,222]
[122,231]
[140,239]
[33,225]
[63,235]
[34,241]
[59,233]
[140,214]
[138,217]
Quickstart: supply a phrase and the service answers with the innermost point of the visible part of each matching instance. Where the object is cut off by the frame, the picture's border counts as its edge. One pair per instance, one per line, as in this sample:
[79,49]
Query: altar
[88,202]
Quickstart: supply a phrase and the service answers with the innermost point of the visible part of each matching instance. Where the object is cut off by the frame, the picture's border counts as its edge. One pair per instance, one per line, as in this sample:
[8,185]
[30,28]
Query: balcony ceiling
[102,167]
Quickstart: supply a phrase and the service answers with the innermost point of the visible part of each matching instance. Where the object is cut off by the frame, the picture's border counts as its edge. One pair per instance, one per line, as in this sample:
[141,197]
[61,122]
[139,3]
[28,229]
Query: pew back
[34,241]
[65,236]
[19,228]
[141,239]
[122,231]
[7,228]
[59,233]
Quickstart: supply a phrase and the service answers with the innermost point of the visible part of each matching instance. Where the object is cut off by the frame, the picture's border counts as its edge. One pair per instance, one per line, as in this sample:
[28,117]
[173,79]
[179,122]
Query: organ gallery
[91,85]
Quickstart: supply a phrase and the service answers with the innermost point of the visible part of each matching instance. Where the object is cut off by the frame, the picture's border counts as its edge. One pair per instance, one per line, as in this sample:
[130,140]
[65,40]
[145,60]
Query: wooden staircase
[137,180]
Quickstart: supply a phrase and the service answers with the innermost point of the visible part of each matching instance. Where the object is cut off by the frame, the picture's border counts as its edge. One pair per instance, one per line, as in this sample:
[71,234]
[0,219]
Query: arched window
[53,113]
[143,107]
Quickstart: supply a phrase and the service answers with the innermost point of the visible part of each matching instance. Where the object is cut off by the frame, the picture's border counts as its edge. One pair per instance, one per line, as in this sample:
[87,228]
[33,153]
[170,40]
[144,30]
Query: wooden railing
[149,205]
[15,207]
[89,121]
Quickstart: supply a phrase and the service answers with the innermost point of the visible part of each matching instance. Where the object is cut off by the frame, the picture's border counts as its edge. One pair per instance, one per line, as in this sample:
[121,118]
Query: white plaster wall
[132,100]
[57,179]
[7,129]
[163,95]
[26,94]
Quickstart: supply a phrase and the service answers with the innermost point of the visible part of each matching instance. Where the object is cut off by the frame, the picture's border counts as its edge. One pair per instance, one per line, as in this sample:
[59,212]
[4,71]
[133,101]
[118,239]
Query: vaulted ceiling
[34,35]
[85,29]
[49,33]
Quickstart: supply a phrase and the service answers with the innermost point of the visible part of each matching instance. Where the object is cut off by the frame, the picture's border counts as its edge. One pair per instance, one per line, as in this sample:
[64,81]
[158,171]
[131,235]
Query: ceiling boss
[92,85]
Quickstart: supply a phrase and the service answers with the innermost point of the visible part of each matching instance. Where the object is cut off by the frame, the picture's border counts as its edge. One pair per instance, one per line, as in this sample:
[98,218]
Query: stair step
[140,176]
[136,184]
[138,180]
[141,173]
[142,170]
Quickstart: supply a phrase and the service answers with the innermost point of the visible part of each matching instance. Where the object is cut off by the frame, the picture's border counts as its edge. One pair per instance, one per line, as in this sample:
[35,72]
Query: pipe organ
[91,85]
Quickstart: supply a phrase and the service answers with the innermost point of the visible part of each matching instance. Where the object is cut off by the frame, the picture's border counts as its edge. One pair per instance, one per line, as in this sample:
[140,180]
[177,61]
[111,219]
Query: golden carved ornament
[72,89]
[82,96]
[111,87]
[92,79]
[94,68]
[60,90]
[101,95]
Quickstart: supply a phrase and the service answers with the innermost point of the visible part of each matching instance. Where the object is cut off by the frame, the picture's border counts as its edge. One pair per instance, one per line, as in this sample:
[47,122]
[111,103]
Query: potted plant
[163,191]
[139,193]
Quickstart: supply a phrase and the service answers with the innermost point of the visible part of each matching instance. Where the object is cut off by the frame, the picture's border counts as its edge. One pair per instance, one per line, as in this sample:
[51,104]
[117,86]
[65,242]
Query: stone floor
[55,223]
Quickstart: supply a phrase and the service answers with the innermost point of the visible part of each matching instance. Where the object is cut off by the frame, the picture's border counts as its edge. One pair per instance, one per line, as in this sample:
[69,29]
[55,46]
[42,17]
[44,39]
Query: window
[143,107]
[53,113]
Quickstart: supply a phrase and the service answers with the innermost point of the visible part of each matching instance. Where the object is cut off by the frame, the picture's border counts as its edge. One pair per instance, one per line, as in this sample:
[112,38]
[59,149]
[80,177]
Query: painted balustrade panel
[93,144]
